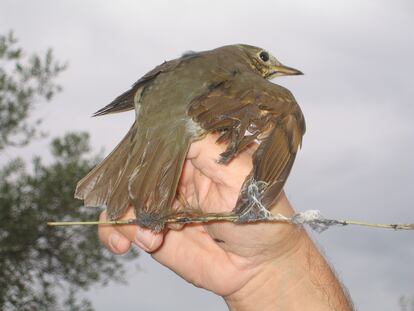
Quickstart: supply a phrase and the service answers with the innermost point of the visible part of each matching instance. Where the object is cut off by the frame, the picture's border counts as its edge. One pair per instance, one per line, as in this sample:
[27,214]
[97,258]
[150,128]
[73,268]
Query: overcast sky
[357,95]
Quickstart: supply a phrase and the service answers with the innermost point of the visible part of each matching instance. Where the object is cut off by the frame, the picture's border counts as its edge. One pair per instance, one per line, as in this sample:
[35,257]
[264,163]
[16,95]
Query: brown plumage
[225,90]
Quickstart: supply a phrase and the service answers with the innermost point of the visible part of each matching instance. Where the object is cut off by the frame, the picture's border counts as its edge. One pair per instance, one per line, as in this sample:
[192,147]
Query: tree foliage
[406,303]
[43,268]
[24,80]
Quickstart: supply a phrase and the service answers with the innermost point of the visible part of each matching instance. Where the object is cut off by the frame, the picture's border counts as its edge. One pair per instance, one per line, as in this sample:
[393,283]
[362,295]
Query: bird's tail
[143,170]
[97,187]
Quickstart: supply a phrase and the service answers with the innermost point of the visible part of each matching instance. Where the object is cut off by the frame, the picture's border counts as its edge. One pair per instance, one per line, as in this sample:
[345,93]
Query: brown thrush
[225,90]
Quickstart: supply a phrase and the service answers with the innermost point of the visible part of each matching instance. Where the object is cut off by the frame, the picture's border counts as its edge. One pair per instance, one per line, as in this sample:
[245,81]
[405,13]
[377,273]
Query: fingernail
[113,241]
[144,239]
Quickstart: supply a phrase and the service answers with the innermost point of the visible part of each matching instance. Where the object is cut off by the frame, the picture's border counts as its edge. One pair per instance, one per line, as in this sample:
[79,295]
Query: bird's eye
[264,56]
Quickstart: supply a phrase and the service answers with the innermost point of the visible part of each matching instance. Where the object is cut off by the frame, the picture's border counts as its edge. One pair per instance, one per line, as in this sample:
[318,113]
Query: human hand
[228,259]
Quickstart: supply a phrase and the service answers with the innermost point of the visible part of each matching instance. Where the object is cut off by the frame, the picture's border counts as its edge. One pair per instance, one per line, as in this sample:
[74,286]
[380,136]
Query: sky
[357,95]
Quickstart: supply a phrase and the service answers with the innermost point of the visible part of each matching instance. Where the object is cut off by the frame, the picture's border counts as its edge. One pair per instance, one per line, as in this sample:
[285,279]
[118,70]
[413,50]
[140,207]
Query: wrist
[299,280]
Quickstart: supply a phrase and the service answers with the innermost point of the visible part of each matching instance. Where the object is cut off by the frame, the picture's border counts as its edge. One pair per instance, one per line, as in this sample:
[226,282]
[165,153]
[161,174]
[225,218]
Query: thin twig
[385,226]
[312,218]
[79,223]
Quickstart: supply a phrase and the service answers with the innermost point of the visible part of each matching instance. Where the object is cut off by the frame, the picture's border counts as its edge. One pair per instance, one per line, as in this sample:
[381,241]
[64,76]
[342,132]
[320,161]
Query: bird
[226,90]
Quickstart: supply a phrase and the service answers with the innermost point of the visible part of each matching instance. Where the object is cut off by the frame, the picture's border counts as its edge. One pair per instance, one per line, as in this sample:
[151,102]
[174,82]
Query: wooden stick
[312,218]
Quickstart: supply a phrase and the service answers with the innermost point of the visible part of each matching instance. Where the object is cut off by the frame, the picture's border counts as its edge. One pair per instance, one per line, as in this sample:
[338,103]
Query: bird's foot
[254,213]
[150,221]
[254,209]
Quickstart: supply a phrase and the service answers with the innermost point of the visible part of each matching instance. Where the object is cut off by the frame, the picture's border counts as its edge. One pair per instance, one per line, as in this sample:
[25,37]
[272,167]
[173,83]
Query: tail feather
[119,198]
[140,171]
[96,187]
[157,178]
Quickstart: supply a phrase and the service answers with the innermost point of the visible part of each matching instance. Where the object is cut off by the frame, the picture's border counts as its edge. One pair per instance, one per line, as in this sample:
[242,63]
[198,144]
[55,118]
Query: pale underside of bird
[226,91]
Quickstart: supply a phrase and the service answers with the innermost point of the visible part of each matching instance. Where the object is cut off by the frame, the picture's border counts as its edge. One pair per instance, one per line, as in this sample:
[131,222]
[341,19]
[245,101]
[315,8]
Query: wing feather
[248,108]
[125,101]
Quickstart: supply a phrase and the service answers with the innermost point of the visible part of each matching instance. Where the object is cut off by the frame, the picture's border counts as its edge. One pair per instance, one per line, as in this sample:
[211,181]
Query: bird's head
[265,63]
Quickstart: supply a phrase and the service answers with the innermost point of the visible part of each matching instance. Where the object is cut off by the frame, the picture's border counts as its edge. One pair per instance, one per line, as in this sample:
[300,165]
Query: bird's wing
[246,109]
[125,101]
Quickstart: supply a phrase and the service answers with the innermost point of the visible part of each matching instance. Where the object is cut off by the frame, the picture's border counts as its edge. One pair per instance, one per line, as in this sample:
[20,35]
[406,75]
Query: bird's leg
[182,205]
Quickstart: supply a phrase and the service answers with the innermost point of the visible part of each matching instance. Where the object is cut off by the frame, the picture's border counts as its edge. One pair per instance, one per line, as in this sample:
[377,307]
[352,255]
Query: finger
[123,235]
[204,155]
[146,239]
[194,255]
[111,238]
[191,245]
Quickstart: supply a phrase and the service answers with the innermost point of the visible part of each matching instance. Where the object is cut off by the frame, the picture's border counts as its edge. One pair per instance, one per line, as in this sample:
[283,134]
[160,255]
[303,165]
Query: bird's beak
[281,70]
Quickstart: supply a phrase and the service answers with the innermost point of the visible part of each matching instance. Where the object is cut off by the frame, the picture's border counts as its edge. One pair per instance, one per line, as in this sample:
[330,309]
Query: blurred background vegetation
[43,268]
[406,303]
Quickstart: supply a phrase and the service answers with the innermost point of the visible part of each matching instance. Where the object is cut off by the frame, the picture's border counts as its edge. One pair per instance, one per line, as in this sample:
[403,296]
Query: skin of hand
[260,266]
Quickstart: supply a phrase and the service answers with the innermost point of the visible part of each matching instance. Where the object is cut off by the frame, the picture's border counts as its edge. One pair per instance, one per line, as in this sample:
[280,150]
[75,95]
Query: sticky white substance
[314,219]
[248,133]
[193,128]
